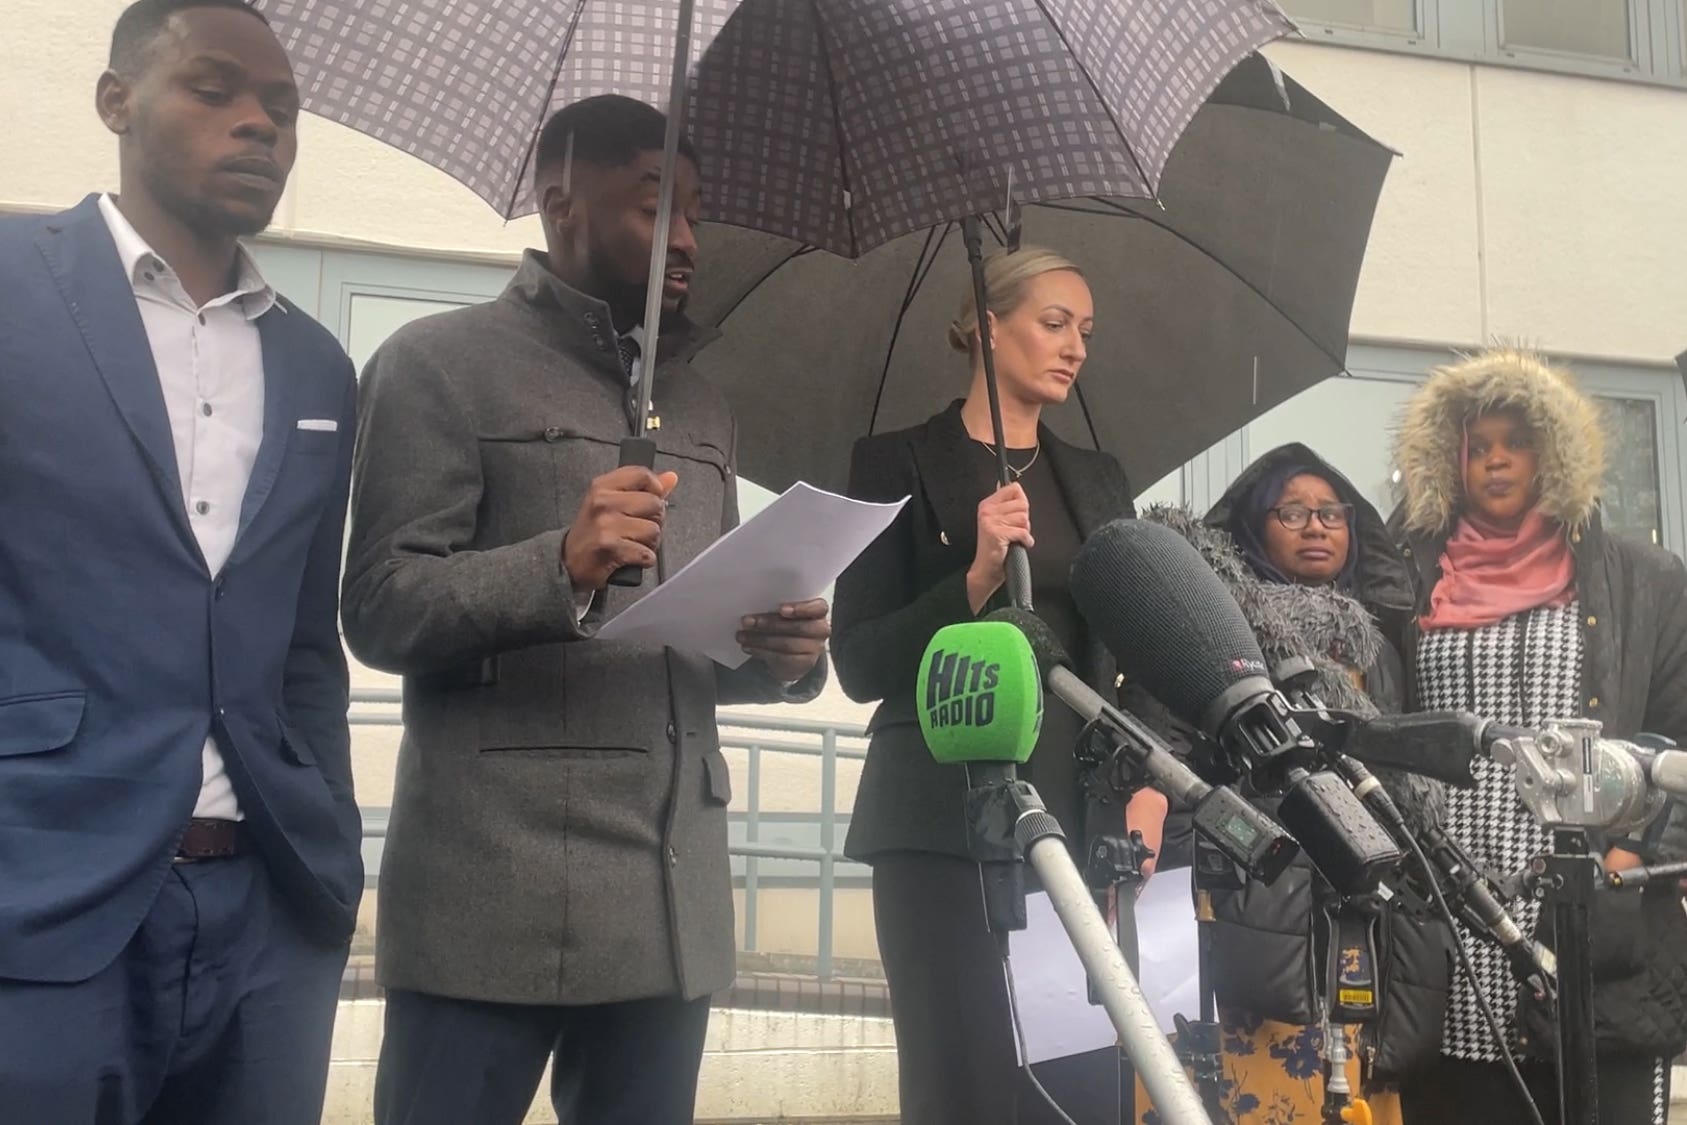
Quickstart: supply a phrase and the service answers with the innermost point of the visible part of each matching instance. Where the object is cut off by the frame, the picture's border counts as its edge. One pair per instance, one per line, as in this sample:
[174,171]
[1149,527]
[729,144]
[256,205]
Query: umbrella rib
[1089,420]
[1060,33]
[927,258]
[1339,361]
[544,107]
[929,264]
[837,129]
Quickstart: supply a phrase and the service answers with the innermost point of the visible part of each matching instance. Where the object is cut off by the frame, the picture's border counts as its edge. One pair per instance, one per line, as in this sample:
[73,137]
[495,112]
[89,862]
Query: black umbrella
[1225,301]
[838,123]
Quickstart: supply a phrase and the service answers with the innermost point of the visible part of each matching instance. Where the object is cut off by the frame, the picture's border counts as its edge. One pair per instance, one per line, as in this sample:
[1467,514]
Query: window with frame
[1385,15]
[1596,28]
[1632,495]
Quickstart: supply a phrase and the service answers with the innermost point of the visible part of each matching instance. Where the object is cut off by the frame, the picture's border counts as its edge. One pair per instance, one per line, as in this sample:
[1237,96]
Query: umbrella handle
[1019,576]
[1018,562]
[639,451]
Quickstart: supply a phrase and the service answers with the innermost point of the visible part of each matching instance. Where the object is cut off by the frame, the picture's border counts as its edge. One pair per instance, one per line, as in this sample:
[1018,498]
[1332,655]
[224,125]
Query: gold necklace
[1036,451]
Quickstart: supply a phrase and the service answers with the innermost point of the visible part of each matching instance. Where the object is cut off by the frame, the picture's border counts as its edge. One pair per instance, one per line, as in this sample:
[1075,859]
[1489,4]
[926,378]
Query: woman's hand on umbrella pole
[1004,518]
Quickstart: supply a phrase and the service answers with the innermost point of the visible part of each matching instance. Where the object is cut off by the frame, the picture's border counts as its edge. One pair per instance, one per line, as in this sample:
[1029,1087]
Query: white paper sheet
[1049,983]
[1051,991]
[1167,942]
[789,552]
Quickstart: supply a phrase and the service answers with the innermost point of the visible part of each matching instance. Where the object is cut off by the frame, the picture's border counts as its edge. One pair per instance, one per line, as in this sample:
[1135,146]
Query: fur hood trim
[1568,428]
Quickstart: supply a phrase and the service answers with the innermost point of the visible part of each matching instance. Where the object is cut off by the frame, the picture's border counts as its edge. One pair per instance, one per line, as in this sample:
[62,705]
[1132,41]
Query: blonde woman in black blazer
[940,563]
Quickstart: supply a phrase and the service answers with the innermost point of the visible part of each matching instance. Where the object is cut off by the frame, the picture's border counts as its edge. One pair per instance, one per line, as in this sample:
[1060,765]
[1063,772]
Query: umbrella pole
[639,448]
[1018,562]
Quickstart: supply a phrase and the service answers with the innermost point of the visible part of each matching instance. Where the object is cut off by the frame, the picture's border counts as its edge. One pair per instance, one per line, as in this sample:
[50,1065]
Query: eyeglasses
[1295,517]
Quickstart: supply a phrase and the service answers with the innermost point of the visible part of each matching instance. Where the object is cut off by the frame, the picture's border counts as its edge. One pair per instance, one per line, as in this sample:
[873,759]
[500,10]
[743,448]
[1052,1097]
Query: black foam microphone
[1244,833]
[1174,628]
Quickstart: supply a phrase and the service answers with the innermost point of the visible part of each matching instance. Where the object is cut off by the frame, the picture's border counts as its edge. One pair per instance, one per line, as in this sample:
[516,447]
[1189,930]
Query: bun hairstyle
[1006,275]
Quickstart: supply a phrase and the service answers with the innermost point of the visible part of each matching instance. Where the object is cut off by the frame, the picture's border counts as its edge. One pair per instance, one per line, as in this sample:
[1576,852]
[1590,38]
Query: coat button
[673,856]
[553,433]
[1592,621]
[943,538]
[673,733]
[1593,704]
[220,588]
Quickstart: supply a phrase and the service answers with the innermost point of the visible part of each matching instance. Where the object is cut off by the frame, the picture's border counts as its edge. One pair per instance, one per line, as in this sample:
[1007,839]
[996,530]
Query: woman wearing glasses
[1310,562]
[1528,610]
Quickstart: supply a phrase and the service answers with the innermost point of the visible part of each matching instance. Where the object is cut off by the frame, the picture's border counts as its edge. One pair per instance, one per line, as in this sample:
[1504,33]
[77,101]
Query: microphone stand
[1565,880]
[1199,1041]
[1004,811]
[1114,871]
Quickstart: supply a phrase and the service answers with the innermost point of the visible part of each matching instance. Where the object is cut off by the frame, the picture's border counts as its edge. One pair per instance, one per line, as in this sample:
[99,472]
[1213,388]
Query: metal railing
[739,731]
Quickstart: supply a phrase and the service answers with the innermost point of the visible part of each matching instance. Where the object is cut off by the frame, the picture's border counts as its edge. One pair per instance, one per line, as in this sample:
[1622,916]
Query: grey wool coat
[559,823]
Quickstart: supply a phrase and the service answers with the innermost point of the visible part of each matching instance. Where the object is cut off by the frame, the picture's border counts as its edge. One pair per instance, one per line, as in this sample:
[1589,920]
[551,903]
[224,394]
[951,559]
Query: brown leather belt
[209,839]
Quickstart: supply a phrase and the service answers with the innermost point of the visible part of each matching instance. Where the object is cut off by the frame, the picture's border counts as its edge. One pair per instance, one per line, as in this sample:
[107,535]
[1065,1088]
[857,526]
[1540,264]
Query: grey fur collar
[1321,623]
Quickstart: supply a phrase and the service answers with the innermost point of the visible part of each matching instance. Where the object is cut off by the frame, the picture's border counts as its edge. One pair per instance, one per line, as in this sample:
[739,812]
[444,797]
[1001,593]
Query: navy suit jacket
[120,652]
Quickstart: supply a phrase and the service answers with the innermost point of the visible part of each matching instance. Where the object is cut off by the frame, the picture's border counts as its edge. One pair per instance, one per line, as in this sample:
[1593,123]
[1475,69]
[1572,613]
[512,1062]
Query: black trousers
[466,1062]
[1632,1091]
[948,997]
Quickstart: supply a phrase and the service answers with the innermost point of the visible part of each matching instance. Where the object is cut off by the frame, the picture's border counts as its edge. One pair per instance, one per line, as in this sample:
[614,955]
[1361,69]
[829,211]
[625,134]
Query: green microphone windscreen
[980,695]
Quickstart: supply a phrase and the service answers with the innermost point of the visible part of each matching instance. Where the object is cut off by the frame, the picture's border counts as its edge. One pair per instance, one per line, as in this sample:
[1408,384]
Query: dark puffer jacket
[1634,667]
[1266,937]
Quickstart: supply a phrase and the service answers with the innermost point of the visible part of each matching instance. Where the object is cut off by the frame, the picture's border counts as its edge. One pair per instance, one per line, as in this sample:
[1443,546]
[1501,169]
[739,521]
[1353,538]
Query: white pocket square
[326,425]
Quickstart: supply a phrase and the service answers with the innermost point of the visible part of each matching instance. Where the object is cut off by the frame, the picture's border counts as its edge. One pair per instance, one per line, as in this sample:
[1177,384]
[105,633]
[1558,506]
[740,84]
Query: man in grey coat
[555,880]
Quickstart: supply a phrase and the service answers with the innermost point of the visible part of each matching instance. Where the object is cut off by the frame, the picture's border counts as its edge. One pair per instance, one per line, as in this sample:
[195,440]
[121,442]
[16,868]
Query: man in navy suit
[179,845]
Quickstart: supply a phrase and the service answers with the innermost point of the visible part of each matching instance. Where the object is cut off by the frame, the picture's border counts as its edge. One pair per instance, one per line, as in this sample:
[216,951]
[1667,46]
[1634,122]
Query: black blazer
[912,582]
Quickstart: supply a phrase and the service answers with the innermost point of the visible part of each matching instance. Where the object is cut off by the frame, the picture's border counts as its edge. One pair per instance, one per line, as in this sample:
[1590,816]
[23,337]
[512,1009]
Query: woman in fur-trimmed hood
[1310,563]
[1527,611]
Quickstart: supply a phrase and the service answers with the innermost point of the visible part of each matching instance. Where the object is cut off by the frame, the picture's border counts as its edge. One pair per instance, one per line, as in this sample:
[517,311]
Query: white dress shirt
[211,371]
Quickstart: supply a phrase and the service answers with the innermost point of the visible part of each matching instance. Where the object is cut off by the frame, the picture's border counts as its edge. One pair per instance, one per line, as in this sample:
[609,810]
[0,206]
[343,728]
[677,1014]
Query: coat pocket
[717,778]
[293,748]
[35,724]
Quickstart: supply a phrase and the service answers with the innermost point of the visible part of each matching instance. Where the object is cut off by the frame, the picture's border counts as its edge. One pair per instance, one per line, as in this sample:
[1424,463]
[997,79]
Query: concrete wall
[1526,204]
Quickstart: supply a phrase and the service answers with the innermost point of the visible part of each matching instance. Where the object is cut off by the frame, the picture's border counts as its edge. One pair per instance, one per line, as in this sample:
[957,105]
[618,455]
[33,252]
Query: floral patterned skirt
[1274,1075]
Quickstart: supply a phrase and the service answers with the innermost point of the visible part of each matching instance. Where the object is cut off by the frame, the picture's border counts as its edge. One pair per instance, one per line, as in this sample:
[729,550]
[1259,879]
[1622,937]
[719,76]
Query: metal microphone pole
[1040,835]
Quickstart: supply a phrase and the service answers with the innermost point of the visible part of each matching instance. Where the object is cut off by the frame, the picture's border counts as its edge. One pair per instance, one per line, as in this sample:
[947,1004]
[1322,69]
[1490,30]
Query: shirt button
[202,318]
[202,507]
[150,276]
[205,409]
